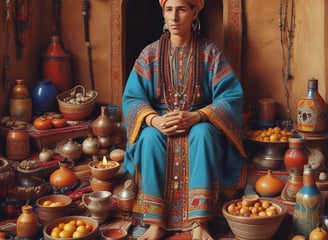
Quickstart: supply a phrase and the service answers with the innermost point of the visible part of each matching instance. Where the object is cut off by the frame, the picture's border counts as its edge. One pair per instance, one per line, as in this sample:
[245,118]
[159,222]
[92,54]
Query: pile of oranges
[72,229]
[273,134]
[259,208]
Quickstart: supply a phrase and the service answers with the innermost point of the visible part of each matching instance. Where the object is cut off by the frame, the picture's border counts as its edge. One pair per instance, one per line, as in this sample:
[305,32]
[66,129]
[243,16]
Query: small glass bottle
[312,110]
[309,205]
[27,223]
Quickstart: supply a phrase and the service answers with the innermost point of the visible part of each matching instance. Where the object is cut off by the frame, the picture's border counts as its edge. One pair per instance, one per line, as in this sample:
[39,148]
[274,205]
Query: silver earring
[165,28]
[196,25]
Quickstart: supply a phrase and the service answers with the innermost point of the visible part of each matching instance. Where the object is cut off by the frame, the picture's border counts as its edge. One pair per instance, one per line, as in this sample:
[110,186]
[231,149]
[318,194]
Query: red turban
[198,3]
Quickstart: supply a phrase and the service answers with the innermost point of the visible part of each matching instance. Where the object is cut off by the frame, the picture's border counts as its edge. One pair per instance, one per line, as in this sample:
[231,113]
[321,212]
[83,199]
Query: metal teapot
[69,149]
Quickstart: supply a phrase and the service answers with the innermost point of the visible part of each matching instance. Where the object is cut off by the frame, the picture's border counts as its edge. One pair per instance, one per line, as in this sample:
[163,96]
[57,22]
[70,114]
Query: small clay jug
[19,91]
[27,223]
[103,125]
[269,185]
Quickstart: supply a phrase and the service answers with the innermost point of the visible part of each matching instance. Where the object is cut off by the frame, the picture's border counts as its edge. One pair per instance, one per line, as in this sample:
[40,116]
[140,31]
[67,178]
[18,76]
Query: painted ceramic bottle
[312,110]
[296,156]
[27,223]
[309,205]
[57,65]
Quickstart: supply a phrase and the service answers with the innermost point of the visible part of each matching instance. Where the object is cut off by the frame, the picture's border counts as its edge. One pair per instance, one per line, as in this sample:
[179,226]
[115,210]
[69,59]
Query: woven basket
[79,111]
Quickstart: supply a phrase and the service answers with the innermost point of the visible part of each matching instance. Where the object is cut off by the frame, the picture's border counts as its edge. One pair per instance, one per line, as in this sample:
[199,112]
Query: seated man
[182,108]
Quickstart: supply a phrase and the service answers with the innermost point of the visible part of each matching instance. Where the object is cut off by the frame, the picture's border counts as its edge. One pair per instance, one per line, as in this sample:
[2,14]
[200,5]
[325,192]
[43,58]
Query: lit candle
[105,163]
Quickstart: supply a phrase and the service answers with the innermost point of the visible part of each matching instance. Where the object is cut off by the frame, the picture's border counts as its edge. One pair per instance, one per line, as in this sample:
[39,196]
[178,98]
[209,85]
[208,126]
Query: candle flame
[105,163]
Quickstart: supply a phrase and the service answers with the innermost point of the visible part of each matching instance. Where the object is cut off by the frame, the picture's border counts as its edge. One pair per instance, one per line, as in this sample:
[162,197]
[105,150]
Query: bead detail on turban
[198,3]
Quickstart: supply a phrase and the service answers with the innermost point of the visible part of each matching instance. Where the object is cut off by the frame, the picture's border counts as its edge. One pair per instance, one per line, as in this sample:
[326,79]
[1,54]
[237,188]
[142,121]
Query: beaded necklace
[179,93]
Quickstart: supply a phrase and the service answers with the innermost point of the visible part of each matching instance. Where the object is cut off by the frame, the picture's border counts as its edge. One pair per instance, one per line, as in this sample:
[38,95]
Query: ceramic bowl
[54,206]
[114,234]
[94,234]
[100,185]
[104,174]
[255,228]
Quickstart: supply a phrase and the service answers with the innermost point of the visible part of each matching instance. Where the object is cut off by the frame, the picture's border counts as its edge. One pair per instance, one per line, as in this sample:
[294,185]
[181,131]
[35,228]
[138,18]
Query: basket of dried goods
[77,103]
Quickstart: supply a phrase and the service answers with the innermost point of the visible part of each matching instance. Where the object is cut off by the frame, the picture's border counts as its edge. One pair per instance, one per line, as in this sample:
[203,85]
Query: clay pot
[114,234]
[18,144]
[42,123]
[101,173]
[103,125]
[62,177]
[296,156]
[269,185]
[48,212]
[59,122]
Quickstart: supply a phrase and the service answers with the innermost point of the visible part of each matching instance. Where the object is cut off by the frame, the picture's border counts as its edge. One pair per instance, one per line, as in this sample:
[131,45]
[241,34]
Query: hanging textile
[5,57]
[233,31]
[23,23]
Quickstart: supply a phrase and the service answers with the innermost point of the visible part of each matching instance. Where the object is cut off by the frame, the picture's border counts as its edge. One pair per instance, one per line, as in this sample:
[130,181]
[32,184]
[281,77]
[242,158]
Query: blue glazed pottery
[44,96]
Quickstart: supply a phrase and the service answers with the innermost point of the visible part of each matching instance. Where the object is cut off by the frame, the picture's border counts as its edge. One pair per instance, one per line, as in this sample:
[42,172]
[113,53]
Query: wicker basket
[76,111]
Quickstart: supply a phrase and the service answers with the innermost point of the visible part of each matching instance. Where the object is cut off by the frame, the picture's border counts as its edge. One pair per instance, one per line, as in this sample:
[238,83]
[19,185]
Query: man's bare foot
[201,232]
[153,233]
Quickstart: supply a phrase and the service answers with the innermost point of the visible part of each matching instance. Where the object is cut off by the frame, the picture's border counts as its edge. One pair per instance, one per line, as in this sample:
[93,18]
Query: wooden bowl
[104,174]
[255,228]
[47,213]
[100,185]
[94,234]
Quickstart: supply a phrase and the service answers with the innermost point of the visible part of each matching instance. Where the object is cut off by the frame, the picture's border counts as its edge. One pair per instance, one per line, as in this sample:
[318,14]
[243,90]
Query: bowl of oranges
[72,227]
[269,146]
[53,206]
[252,218]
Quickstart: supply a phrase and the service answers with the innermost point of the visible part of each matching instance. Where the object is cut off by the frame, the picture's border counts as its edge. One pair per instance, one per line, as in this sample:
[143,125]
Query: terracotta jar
[296,156]
[27,223]
[19,90]
[17,144]
[269,185]
[57,65]
[103,125]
